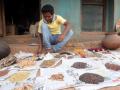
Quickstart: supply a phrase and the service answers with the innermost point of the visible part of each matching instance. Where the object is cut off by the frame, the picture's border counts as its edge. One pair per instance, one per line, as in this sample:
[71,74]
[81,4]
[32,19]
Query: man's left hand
[60,38]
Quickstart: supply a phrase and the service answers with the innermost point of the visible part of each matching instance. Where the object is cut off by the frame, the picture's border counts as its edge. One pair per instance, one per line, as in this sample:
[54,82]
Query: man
[118,27]
[50,28]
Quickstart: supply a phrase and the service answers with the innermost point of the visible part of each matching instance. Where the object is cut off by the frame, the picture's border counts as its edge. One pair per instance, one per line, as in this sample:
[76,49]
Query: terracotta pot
[4,49]
[111,41]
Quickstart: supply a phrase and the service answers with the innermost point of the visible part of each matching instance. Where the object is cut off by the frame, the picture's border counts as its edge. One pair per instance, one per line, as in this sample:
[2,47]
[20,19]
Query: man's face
[48,17]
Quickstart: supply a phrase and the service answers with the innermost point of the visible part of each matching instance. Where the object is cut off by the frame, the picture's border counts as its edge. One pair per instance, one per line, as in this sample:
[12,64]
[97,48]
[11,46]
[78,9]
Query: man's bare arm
[67,27]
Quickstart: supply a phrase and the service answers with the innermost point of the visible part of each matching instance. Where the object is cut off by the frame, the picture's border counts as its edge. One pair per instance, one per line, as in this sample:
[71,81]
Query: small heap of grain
[47,63]
[26,63]
[19,76]
[80,52]
[91,78]
[4,72]
[79,65]
[111,66]
[57,77]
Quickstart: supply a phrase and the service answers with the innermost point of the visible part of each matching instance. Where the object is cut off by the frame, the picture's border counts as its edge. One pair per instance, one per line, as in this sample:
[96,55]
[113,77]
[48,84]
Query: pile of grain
[58,77]
[91,78]
[47,63]
[79,65]
[111,66]
[19,76]
[26,63]
[3,72]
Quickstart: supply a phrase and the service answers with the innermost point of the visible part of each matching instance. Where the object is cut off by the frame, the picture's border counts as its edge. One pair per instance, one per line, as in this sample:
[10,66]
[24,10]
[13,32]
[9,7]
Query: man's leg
[46,36]
[59,45]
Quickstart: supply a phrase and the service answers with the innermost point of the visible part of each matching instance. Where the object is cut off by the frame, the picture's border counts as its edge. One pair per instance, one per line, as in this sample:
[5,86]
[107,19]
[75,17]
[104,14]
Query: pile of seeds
[111,66]
[91,78]
[79,65]
[4,72]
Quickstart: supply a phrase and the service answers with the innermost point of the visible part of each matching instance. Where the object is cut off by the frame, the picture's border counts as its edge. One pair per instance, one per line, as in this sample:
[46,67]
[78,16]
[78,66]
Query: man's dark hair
[47,8]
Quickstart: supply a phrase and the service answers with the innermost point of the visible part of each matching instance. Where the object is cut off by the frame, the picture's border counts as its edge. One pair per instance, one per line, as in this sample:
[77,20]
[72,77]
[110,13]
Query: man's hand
[65,31]
[60,38]
[37,53]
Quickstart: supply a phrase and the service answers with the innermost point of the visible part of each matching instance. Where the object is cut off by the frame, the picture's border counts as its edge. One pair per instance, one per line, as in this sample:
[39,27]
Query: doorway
[19,14]
[93,15]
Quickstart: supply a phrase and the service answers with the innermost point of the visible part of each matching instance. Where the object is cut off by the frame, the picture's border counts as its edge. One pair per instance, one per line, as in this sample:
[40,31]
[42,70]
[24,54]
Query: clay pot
[4,49]
[111,41]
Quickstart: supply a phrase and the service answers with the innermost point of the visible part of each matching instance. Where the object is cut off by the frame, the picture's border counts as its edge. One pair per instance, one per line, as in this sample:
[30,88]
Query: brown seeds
[91,78]
[3,72]
[79,65]
[58,77]
[111,66]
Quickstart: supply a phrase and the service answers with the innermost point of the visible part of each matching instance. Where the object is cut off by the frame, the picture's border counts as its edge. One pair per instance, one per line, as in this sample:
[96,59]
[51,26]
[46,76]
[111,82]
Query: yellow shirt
[55,26]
